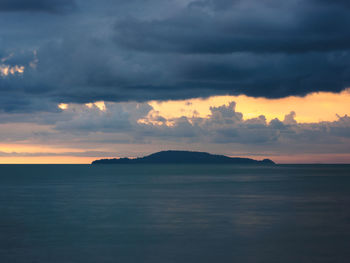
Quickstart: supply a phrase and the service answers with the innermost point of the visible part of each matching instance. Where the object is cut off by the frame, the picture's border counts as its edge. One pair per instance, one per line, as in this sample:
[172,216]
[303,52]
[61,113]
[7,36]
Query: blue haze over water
[169,213]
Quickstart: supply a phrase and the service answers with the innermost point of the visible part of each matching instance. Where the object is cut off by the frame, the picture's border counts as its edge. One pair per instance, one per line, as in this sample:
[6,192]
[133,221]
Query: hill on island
[184,157]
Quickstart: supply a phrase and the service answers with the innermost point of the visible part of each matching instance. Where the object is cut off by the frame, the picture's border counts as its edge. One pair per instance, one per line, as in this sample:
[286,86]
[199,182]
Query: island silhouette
[184,157]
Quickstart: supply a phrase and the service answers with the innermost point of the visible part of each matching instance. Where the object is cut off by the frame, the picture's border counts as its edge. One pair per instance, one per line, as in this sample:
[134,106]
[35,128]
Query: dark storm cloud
[214,4]
[270,75]
[249,26]
[342,3]
[146,50]
[51,6]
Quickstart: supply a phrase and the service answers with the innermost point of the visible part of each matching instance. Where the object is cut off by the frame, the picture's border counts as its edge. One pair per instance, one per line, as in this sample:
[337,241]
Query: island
[184,157]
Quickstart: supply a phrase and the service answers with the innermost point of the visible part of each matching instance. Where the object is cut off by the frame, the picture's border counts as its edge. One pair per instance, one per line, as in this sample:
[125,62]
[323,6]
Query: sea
[174,213]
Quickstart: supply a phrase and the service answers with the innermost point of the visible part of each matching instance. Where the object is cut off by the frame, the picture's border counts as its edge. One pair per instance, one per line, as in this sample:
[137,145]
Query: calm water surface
[167,213]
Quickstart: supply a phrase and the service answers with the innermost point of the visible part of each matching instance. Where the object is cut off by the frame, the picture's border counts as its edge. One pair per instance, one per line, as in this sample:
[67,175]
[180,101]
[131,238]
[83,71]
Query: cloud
[216,5]
[242,26]
[121,51]
[258,48]
[135,128]
[6,70]
[139,124]
[115,118]
[226,126]
[50,6]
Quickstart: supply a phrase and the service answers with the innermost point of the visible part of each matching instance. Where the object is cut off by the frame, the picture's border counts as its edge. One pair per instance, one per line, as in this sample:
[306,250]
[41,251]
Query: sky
[82,79]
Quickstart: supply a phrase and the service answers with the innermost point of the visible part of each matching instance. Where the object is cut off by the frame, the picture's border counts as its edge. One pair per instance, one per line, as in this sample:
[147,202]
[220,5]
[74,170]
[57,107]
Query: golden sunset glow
[61,156]
[98,104]
[6,70]
[30,148]
[63,106]
[48,160]
[315,107]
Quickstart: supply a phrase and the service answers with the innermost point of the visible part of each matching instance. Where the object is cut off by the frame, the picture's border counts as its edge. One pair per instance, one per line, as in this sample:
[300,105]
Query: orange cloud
[312,108]
[315,107]
[63,106]
[6,70]
[99,104]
